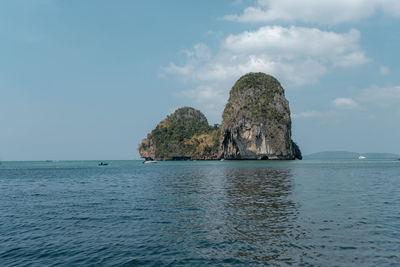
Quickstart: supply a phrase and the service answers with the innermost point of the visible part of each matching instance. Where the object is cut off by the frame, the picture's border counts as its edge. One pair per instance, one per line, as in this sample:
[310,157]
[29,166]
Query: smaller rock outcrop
[183,135]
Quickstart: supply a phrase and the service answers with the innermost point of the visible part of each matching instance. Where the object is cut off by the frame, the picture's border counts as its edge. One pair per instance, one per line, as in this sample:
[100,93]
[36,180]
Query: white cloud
[347,103]
[384,70]
[311,114]
[289,43]
[315,11]
[237,2]
[380,96]
[371,103]
[208,97]
[200,52]
[297,56]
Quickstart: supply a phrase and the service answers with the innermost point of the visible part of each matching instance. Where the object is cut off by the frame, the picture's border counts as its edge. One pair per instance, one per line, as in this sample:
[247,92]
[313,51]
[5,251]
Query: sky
[89,79]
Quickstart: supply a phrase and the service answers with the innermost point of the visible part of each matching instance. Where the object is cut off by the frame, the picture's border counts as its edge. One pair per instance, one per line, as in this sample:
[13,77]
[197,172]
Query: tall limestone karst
[255,125]
[183,135]
[256,121]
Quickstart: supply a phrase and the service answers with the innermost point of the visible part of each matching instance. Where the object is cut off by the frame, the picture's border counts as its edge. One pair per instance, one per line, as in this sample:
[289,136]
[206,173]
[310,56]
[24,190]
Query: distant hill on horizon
[350,155]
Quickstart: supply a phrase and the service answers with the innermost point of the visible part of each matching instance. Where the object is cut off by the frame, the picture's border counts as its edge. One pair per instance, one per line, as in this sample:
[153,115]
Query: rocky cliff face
[256,121]
[255,125]
[185,134]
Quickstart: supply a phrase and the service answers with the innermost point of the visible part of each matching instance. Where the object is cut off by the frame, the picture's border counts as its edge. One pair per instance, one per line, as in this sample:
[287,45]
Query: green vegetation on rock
[185,134]
[249,96]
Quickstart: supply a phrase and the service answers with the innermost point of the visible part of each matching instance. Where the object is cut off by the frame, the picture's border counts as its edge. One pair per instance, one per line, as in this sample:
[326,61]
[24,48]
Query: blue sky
[89,79]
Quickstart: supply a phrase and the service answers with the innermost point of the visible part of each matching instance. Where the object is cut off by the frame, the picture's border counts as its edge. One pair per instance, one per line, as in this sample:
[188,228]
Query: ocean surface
[310,212]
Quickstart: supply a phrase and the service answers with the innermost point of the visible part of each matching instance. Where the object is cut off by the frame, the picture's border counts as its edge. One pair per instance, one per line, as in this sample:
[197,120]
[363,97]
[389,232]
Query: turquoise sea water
[328,213]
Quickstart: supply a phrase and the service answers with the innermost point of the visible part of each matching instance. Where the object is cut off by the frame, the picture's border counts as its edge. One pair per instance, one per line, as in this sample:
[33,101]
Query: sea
[200,213]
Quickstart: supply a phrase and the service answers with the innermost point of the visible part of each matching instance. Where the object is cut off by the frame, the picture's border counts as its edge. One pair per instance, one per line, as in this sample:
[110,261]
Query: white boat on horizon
[362,157]
[149,161]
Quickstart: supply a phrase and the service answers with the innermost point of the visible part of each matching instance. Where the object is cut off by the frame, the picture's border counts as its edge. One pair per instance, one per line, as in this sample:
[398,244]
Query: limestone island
[256,125]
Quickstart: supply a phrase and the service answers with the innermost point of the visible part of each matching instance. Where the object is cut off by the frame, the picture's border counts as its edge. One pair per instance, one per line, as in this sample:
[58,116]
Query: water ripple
[200,213]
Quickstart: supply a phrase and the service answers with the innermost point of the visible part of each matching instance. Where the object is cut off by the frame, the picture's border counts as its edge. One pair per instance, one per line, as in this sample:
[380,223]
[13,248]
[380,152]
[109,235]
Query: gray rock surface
[256,121]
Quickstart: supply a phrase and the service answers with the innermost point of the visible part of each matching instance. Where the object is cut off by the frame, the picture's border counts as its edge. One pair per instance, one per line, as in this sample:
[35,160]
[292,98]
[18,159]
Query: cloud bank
[297,56]
[315,11]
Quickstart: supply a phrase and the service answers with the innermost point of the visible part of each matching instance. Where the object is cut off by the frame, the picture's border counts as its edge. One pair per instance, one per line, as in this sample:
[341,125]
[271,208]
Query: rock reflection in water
[241,213]
[219,215]
[260,215]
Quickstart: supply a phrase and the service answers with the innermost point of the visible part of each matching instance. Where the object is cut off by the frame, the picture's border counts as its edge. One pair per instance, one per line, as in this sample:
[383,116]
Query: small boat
[362,157]
[149,161]
[221,159]
[103,164]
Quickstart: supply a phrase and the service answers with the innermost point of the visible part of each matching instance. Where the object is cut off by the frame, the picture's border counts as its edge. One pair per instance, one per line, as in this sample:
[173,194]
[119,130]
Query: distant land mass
[256,124]
[350,155]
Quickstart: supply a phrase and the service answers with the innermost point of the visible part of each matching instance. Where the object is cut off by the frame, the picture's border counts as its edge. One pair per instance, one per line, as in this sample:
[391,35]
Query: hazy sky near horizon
[89,79]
